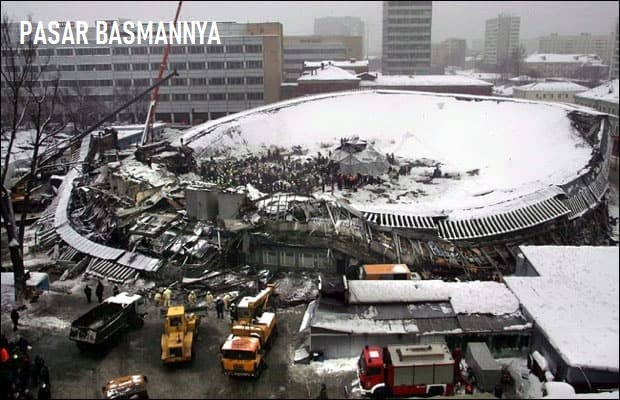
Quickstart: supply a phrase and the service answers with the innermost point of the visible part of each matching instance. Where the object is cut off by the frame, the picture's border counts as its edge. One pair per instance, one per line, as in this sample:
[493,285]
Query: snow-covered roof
[329,73]
[607,91]
[565,86]
[423,80]
[514,156]
[503,90]
[574,301]
[340,64]
[563,58]
[465,297]
[485,76]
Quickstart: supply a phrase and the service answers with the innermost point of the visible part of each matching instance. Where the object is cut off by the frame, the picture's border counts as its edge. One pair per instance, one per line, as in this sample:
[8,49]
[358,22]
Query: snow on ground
[513,155]
[574,301]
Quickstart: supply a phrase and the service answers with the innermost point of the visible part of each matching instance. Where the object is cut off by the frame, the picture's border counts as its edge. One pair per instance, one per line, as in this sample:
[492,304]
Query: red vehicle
[407,370]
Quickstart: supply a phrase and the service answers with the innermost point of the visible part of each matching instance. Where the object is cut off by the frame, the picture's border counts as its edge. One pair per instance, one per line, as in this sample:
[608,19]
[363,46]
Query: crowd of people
[22,378]
[274,172]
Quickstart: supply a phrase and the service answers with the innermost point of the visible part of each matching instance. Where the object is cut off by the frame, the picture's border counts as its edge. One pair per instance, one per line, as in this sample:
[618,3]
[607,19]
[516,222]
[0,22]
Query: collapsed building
[263,188]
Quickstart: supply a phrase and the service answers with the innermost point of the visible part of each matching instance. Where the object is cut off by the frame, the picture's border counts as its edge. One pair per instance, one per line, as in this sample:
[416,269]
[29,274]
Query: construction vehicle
[385,272]
[407,370]
[251,334]
[180,330]
[99,326]
[126,387]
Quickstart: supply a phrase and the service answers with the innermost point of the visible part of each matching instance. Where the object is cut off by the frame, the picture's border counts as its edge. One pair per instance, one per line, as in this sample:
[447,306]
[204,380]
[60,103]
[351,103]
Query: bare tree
[516,59]
[32,100]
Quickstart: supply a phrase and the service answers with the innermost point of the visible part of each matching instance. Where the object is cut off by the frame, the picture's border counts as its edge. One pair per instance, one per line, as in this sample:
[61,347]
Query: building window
[178,65]
[84,51]
[101,51]
[117,51]
[66,67]
[177,50]
[255,96]
[196,65]
[237,48]
[236,96]
[195,49]
[214,49]
[141,82]
[139,50]
[235,80]
[199,96]
[123,82]
[121,67]
[253,48]
[179,82]
[234,65]
[179,96]
[217,81]
[163,97]
[197,81]
[254,64]
[254,80]
[155,66]
[157,50]
[140,67]
[64,52]
[46,52]
[215,65]
[217,96]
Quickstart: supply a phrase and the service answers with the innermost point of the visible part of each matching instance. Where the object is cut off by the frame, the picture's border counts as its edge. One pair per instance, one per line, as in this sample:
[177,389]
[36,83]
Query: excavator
[180,330]
[252,332]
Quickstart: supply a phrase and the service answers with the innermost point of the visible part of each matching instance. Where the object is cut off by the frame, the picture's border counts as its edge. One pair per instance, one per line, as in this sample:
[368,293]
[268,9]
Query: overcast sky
[463,19]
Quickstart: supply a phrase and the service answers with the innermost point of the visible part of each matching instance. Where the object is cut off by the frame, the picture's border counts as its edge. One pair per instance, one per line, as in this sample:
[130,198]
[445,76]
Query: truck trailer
[407,370]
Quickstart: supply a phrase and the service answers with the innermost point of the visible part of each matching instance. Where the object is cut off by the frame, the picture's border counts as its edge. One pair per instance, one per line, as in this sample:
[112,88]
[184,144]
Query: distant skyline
[461,19]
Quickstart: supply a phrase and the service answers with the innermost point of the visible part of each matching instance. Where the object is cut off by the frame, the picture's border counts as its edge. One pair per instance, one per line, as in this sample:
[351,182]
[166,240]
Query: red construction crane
[147,134]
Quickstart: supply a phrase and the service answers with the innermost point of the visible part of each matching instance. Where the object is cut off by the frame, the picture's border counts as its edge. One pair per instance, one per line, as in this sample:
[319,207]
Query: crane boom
[147,134]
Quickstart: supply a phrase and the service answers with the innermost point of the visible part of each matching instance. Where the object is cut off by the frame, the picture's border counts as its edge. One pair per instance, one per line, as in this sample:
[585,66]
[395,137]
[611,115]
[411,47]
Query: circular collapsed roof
[495,152]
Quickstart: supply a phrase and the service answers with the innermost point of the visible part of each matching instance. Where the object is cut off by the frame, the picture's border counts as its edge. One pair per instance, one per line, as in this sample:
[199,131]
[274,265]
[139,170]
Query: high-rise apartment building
[501,39]
[577,44]
[338,26]
[407,37]
[613,67]
[244,72]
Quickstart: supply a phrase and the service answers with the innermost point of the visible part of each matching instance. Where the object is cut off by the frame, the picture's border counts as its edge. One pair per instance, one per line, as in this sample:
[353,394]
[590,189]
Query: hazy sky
[464,19]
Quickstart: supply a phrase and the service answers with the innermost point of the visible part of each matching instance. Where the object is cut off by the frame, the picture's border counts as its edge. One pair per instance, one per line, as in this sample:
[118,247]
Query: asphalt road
[81,375]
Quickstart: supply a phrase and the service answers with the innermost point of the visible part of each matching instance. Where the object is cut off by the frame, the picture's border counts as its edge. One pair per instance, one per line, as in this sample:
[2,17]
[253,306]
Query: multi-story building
[450,52]
[578,66]
[563,92]
[613,70]
[299,49]
[244,72]
[338,26]
[501,40]
[407,37]
[577,44]
[604,98]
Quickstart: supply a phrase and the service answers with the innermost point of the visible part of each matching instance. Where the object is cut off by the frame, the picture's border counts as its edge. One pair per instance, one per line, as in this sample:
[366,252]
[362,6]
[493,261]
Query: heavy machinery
[180,330]
[100,325]
[251,333]
[407,370]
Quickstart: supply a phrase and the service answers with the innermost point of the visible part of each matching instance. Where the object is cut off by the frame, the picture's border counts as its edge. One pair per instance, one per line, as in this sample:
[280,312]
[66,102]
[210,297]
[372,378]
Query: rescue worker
[191,298]
[209,299]
[88,292]
[226,301]
[115,290]
[233,312]
[157,299]
[323,393]
[99,291]
[219,307]
[167,295]
[15,318]
[44,393]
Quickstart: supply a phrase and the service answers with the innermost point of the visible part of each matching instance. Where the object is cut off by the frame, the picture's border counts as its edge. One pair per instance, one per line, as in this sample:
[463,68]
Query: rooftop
[552,87]
[423,80]
[328,73]
[564,58]
[607,92]
[341,64]
[574,301]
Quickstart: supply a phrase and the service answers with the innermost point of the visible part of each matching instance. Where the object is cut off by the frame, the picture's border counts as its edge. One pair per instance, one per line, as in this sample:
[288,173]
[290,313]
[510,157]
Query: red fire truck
[407,370]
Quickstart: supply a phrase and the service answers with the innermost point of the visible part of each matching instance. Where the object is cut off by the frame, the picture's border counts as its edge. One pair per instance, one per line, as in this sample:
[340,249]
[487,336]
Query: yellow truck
[251,333]
[180,331]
